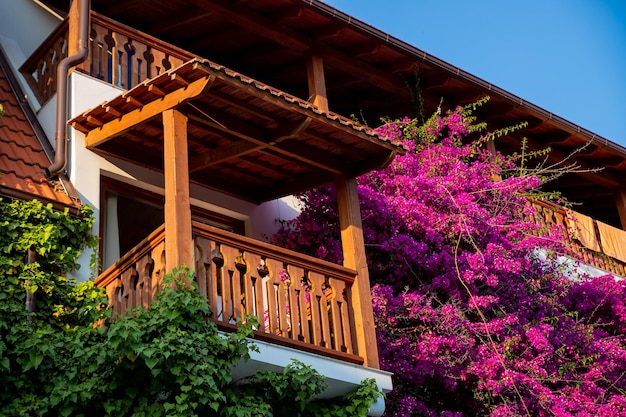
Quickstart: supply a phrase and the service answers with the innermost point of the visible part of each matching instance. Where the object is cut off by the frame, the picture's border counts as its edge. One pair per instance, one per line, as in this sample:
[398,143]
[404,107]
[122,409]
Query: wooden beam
[178,241]
[135,117]
[353,245]
[243,147]
[291,39]
[268,143]
[317,82]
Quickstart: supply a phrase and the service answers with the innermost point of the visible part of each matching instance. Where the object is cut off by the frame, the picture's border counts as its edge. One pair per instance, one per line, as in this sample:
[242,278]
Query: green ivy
[74,357]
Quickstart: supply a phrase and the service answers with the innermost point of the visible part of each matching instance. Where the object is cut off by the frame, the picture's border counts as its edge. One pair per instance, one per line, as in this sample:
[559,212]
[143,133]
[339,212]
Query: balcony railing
[118,55]
[300,301]
[595,243]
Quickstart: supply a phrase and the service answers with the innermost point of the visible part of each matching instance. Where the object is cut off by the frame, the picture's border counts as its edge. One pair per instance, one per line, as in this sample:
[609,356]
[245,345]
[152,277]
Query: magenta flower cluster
[468,319]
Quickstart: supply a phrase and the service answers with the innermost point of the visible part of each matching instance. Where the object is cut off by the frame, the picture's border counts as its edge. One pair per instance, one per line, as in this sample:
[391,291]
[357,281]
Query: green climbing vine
[71,355]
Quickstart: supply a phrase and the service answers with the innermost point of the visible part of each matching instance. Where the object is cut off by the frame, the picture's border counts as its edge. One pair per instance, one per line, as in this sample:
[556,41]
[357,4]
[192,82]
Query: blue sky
[566,56]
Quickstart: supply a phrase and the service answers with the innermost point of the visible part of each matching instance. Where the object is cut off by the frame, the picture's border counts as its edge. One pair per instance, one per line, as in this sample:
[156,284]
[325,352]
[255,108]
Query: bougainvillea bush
[469,320]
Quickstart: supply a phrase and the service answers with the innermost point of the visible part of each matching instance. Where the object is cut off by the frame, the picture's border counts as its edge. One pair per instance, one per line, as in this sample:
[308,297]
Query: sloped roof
[23,159]
[245,138]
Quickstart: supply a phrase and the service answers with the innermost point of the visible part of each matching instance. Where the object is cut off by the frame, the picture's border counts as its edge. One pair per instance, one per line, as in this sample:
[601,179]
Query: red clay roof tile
[22,158]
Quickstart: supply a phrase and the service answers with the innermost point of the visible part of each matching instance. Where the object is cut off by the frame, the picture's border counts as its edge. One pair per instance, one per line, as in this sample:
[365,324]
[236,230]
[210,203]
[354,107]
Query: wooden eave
[245,138]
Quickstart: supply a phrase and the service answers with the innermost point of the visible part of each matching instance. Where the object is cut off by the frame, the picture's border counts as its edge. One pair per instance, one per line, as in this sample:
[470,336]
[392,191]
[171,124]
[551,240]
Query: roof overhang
[245,138]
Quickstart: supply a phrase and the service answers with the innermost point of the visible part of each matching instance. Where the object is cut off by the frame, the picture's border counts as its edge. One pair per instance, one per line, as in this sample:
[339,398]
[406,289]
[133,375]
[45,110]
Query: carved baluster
[129,282]
[272,286]
[252,285]
[99,51]
[283,288]
[139,74]
[296,309]
[318,310]
[215,282]
[202,255]
[158,272]
[231,304]
[238,286]
[115,293]
[129,59]
[160,62]
[145,266]
[149,59]
[109,41]
[340,320]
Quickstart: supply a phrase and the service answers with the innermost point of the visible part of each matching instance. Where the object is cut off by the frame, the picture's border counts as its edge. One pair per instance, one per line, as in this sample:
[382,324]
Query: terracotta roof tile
[23,161]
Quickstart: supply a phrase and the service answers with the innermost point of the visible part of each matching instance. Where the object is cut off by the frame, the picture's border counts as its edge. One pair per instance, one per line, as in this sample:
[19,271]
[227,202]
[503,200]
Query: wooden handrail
[299,301]
[118,54]
[592,250]
[40,69]
[135,278]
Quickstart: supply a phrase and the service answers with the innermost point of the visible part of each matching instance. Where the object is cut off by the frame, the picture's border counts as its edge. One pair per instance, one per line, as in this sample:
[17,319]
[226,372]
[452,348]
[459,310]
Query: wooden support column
[317,82]
[73,30]
[178,241]
[353,246]
[620,201]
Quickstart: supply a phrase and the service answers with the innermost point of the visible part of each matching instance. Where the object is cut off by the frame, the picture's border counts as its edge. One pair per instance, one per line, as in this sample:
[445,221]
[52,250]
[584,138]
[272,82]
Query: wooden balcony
[119,55]
[300,301]
[595,243]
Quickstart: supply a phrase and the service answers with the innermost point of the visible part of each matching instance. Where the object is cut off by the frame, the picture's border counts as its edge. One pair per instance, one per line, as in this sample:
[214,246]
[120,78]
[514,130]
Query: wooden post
[317,82]
[353,246]
[620,201]
[178,240]
[73,30]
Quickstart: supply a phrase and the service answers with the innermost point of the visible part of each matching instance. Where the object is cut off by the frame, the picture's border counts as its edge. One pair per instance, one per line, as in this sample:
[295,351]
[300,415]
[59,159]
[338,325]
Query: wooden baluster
[316,299]
[149,60]
[129,61]
[239,277]
[336,303]
[144,284]
[114,293]
[272,286]
[42,78]
[109,68]
[128,284]
[283,288]
[296,308]
[229,302]
[158,258]
[216,283]
[203,263]
[160,62]
[121,62]
[304,307]
[228,276]
[253,286]
[100,51]
[139,68]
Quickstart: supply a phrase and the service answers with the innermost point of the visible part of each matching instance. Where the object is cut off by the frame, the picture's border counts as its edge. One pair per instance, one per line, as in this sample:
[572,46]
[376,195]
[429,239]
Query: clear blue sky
[566,56]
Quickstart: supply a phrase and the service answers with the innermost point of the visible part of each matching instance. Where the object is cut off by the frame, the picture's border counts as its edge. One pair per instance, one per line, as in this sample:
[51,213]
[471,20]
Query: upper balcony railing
[300,301]
[118,55]
[595,243]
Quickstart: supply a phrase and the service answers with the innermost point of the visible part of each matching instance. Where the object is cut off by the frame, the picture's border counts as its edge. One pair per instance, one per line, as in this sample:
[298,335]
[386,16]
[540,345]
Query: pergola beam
[146,112]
